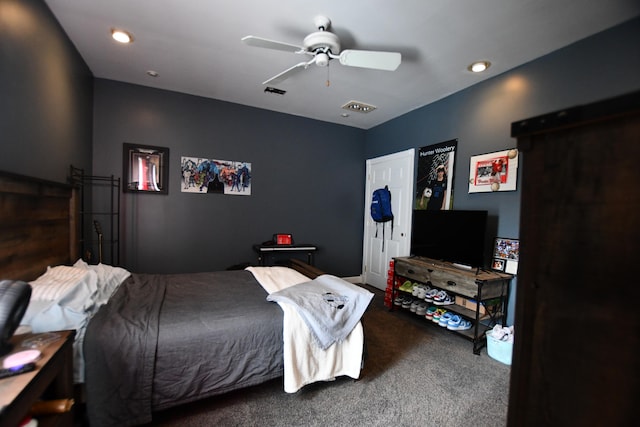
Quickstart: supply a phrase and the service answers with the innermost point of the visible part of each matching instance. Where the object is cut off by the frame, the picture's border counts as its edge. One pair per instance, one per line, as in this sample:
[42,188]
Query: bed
[149,342]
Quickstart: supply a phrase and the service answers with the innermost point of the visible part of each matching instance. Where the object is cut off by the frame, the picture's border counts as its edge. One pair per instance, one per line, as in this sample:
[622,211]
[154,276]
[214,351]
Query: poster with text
[434,182]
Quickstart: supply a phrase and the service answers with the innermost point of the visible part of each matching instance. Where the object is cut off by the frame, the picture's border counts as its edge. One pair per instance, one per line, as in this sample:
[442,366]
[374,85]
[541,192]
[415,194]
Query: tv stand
[465,284]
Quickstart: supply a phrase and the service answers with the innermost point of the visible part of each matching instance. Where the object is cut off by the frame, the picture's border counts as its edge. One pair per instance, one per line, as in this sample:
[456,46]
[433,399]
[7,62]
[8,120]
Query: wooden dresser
[576,355]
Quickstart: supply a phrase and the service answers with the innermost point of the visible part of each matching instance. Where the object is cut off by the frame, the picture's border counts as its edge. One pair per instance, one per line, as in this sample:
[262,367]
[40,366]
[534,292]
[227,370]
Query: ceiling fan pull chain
[328,77]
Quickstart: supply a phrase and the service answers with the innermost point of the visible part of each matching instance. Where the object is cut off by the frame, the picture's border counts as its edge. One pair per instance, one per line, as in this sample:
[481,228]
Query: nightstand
[52,379]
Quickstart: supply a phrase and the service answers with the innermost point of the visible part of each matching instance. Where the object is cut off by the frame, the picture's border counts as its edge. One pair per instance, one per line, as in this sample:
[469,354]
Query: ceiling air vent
[274,90]
[358,106]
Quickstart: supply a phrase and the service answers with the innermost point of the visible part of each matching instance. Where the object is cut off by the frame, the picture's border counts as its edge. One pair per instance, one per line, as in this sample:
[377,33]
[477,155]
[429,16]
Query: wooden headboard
[38,226]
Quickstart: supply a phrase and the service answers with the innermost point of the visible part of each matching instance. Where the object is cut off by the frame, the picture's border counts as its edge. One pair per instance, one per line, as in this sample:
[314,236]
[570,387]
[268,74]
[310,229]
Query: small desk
[263,250]
[53,374]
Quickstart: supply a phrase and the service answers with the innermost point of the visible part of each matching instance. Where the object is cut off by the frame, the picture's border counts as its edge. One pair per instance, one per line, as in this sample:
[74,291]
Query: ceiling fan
[324,46]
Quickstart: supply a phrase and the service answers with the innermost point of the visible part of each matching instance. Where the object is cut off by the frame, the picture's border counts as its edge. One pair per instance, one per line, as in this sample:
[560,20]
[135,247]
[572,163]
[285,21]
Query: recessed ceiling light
[152,73]
[479,66]
[358,106]
[121,36]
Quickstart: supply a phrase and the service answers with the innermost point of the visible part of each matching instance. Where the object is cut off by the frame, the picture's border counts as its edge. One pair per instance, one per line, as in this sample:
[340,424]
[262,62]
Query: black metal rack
[99,210]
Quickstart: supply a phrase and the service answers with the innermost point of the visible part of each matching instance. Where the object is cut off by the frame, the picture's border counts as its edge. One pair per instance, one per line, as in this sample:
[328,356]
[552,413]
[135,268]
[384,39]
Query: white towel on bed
[304,361]
[331,307]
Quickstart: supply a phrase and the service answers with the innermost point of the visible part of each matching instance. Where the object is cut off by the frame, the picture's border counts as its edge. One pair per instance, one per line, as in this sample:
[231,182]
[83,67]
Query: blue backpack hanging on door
[381,209]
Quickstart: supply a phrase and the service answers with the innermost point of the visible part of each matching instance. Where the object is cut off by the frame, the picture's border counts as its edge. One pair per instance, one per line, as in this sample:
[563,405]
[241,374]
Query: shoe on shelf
[406,302]
[428,296]
[436,316]
[430,312]
[439,296]
[406,286]
[444,319]
[454,322]
[414,305]
[398,301]
[422,291]
[462,326]
[443,298]
[422,308]
[417,287]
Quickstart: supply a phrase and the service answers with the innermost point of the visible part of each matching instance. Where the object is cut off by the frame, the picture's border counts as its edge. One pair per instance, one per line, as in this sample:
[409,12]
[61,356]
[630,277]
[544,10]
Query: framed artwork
[145,169]
[506,254]
[494,172]
[206,176]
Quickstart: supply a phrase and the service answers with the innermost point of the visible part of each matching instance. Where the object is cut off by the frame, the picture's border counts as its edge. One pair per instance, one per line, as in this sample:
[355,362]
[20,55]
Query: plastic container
[499,350]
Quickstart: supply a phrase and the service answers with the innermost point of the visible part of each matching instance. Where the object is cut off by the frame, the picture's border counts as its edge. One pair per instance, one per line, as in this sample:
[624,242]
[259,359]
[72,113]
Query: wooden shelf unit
[479,285]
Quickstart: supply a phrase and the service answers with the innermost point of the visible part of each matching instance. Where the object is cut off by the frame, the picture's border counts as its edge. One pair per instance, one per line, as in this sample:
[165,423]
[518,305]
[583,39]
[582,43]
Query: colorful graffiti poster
[204,176]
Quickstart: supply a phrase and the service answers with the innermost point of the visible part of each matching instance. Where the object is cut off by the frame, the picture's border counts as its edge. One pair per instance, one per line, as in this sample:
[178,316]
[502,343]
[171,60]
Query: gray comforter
[164,340]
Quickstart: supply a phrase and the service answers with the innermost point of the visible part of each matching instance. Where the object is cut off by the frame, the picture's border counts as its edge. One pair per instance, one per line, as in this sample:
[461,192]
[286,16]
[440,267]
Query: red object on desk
[283,239]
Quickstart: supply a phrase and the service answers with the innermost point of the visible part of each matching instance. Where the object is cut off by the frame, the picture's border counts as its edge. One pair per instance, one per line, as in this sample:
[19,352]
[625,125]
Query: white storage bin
[499,350]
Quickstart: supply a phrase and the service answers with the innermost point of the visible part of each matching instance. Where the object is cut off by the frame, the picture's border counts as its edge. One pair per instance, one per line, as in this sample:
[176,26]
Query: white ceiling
[195,46]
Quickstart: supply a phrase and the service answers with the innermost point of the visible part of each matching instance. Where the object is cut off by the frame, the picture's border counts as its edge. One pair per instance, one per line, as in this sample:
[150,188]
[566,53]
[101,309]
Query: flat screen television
[456,236]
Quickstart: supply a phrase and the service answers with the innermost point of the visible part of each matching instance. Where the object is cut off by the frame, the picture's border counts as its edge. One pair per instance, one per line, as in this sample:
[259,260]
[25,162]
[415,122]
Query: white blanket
[304,361]
[331,307]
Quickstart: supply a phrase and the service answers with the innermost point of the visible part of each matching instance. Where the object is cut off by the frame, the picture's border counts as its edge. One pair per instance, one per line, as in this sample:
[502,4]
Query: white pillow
[67,286]
[109,279]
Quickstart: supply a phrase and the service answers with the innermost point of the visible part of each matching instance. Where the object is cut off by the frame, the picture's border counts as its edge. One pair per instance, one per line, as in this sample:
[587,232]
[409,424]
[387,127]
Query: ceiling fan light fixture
[322,59]
[479,66]
[121,36]
[358,106]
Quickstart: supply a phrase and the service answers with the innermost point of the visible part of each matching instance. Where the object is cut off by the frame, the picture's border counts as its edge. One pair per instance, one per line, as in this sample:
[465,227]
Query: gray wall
[46,95]
[595,68]
[307,179]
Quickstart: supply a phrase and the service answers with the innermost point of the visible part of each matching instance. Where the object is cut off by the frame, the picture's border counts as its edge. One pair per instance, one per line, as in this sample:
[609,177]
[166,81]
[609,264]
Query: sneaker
[422,308]
[444,319]
[416,289]
[430,312]
[423,291]
[406,286]
[406,302]
[428,296]
[414,306]
[443,298]
[438,313]
[398,301]
[454,322]
[462,326]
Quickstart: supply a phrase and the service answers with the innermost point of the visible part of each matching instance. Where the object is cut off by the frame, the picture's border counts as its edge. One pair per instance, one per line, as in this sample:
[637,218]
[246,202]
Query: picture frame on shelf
[506,254]
[145,169]
[498,264]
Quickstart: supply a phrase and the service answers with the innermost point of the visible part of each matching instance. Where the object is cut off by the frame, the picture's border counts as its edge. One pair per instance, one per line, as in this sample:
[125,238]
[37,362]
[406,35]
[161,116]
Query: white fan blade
[387,61]
[289,72]
[270,44]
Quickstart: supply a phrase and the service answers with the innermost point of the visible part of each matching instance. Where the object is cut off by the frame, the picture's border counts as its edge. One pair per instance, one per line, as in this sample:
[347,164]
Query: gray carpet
[415,374]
